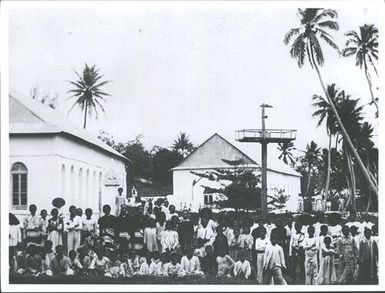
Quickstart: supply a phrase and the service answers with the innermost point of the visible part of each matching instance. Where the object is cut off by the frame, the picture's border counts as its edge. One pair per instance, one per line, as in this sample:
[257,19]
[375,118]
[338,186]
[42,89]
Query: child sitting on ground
[33,260]
[225,265]
[145,263]
[174,268]
[100,264]
[156,265]
[126,268]
[165,263]
[74,263]
[84,258]
[114,270]
[190,263]
[59,264]
[242,268]
[208,262]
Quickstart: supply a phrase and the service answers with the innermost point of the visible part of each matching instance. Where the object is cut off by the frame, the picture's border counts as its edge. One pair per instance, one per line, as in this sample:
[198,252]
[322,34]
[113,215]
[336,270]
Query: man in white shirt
[311,246]
[190,263]
[274,261]
[73,226]
[296,250]
[205,232]
[242,267]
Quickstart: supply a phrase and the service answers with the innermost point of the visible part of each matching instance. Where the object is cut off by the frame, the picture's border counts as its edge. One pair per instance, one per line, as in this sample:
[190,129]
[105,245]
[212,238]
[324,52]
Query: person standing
[119,201]
[55,229]
[74,227]
[274,262]
[185,230]
[311,245]
[347,251]
[368,260]
[296,251]
[32,227]
[327,271]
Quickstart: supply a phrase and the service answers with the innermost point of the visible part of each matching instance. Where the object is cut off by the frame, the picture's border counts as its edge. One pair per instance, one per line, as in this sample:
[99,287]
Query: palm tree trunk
[352,178]
[370,87]
[329,169]
[308,181]
[369,195]
[85,115]
[344,132]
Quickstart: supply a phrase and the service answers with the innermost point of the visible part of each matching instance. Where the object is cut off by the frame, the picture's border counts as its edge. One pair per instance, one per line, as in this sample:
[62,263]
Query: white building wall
[50,160]
[184,192]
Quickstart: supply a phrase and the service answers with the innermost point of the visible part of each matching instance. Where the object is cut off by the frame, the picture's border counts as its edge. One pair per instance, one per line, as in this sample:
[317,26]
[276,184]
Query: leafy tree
[364,46]
[310,161]
[325,112]
[239,185]
[87,92]
[183,145]
[163,160]
[286,155]
[313,25]
[278,200]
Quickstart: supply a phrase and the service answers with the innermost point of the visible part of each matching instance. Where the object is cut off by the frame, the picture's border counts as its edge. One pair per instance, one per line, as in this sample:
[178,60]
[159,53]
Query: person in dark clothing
[220,243]
[107,224]
[185,230]
[209,263]
[124,225]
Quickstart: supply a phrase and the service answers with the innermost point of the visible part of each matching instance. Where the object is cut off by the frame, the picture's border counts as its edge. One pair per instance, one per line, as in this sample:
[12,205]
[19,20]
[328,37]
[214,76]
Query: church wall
[62,167]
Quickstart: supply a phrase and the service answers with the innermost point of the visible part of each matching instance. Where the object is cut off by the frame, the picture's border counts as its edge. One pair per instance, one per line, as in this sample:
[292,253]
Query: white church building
[51,157]
[190,190]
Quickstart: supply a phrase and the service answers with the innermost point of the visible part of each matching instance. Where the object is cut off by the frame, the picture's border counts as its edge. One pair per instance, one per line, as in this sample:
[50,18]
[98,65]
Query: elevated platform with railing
[268,136]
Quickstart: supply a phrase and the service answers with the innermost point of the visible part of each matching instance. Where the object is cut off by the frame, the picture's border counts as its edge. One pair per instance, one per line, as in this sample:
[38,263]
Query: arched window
[19,174]
[72,186]
[63,181]
[206,200]
[80,188]
[210,199]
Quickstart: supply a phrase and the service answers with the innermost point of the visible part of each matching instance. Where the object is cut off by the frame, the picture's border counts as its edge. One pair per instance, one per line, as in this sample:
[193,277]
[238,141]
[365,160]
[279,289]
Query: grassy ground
[23,279]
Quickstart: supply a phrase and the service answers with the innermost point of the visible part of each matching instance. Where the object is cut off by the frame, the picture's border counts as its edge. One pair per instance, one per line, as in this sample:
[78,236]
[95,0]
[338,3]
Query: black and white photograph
[203,143]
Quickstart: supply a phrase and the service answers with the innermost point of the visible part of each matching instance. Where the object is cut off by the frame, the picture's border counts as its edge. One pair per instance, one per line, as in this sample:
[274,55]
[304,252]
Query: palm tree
[366,147]
[183,145]
[311,159]
[87,92]
[314,22]
[351,116]
[364,45]
[286,155]
[325,113]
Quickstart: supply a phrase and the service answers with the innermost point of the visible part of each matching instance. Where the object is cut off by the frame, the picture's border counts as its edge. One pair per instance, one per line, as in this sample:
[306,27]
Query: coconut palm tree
[183,145]
[286,155]
[310,160]
[325,113]
[351,116]
[88,93]
[313,25]
[365,148]
[364,46]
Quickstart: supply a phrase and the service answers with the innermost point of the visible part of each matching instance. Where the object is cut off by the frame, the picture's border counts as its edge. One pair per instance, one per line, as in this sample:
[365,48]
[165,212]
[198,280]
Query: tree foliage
[87,92]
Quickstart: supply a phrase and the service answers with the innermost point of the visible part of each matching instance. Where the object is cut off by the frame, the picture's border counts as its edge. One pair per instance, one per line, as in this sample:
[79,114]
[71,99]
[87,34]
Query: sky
[173,68]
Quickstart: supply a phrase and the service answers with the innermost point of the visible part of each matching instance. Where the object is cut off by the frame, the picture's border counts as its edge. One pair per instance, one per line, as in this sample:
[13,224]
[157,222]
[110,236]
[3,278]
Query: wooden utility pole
[265,136]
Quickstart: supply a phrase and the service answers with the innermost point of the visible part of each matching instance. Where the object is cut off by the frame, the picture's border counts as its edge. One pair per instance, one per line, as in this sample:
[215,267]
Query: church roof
[213,153]
[217,152]
[27,116]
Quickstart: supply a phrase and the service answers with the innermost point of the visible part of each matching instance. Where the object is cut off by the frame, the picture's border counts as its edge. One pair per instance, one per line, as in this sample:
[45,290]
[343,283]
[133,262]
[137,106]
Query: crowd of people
[156,240]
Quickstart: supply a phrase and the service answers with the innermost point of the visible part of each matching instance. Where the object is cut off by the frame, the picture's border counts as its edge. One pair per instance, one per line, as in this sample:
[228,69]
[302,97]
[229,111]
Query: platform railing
[289,134]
